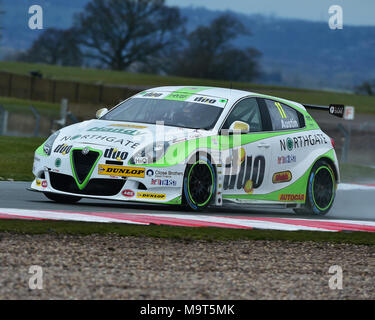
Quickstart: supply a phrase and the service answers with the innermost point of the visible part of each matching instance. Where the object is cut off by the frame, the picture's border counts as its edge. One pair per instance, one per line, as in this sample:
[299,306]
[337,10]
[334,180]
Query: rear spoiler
[338,110]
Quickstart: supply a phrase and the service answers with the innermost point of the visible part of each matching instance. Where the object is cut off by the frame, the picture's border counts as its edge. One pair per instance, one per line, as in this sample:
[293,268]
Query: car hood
[127,135]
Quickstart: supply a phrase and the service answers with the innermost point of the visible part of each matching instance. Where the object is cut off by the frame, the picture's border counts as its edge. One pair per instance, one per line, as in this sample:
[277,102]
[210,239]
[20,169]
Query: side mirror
[239,127]
[101,112]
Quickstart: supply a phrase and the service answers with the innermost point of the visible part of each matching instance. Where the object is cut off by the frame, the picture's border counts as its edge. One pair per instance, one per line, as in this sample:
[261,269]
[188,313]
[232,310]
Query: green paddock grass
[363,104]
[16,157]
[17,154]
[181,233]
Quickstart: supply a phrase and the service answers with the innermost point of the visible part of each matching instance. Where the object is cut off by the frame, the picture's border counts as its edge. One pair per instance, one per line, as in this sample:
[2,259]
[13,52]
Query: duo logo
[249,170]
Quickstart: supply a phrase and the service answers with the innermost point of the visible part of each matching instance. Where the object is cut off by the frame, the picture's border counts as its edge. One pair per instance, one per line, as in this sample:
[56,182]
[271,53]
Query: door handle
[263,145]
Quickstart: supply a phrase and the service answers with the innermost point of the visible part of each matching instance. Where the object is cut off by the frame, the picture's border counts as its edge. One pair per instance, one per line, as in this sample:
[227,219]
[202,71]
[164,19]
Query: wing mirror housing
[101,112]
[238,127]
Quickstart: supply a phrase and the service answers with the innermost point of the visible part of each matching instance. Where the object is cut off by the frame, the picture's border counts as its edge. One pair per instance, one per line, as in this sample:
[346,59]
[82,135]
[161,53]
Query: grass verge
[15,105]
[357,173]
[181,233]
[17,156]
[363,104]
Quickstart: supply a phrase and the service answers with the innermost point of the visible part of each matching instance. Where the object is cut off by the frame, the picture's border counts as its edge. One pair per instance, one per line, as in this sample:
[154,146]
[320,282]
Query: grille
[95,187]
[83,163]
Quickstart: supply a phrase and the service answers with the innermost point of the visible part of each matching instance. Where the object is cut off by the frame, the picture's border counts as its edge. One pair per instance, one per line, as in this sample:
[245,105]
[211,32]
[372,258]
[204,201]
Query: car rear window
[283,117]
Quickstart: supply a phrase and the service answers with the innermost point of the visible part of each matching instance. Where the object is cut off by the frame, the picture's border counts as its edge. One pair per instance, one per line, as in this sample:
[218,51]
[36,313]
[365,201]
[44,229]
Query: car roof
[232,95]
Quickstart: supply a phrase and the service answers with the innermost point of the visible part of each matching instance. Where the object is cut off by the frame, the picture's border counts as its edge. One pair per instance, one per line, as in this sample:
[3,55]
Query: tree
[367,87]
[119,33]
[55,46]
[210,54]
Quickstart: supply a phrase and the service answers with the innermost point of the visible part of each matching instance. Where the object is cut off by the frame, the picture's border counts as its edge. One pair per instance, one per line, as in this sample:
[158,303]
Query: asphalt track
[352,202]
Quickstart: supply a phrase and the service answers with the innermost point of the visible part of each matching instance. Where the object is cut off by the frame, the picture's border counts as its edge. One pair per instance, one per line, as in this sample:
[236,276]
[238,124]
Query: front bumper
[159,185]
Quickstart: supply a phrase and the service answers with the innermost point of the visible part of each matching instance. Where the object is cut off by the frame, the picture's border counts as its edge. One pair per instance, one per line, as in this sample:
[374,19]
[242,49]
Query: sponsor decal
[44,184]
[251,169]
[337,110]
[58,162]
[167,174]
[152,94]
[150,172]
[287,159]
[147,195]
[164,182]
[63,149]
[124,142]
[292,197]
[302,141]
[132,132]
[204,100]
[38,183]
[113,153]
[178,96]
[284,176]
[140,160]
[112,170]
[128,193]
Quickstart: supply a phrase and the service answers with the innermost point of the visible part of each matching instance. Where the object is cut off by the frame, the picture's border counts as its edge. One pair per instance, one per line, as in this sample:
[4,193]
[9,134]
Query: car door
[288,153]
[246,166]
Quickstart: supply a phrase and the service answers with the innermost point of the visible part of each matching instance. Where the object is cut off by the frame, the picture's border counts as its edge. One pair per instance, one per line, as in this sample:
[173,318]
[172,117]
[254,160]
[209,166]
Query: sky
[355,12]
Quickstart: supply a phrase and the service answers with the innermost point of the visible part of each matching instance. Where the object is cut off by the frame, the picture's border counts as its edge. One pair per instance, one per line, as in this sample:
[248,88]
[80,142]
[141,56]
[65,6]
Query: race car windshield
[173,113]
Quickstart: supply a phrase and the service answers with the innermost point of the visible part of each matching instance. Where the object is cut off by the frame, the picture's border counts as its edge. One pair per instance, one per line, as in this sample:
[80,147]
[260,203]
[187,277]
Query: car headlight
[47,147]
[150,154]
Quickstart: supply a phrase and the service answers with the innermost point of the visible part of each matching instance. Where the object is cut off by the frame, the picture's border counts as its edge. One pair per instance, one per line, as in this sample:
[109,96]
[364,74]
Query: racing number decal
[281,110]
[249,168]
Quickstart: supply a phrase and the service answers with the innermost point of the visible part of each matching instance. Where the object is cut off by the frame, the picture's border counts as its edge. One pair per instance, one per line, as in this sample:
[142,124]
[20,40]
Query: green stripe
[177,153]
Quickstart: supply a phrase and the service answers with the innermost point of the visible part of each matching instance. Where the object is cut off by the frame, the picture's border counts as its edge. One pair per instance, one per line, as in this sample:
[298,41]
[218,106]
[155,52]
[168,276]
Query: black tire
[61,198]
[199,184]
[321,190]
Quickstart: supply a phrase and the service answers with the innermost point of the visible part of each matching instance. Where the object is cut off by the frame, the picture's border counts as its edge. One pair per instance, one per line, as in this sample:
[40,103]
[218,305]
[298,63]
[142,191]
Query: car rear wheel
[61,198]
[321,190]
[199,184]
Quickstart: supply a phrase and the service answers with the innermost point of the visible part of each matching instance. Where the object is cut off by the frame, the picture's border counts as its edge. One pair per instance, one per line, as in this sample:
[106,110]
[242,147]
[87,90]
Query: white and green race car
[193,146]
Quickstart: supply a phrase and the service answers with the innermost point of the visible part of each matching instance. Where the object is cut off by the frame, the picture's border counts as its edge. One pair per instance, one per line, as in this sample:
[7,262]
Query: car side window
[282,116]
[247,110]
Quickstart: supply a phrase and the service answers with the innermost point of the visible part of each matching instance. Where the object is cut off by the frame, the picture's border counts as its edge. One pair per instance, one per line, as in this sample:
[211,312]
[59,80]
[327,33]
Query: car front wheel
[199,184]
